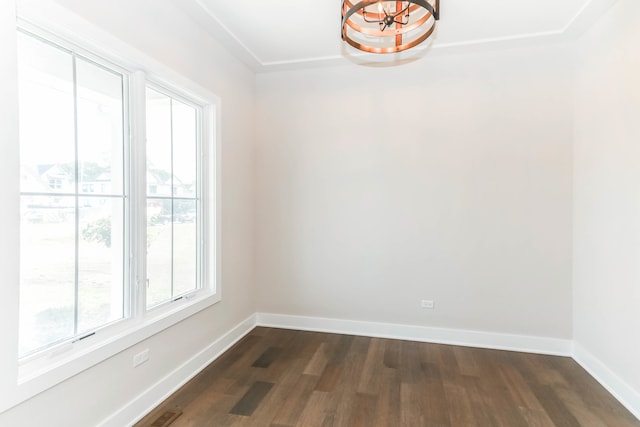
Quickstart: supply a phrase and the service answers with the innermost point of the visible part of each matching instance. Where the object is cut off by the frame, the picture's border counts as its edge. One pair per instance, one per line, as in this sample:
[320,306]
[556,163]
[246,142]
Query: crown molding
[573,30]
[203,16]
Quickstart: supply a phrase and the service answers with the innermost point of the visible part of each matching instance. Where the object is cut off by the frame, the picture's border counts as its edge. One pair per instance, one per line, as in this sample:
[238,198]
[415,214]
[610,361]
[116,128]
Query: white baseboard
[135,410]
[624,393]
[492,340]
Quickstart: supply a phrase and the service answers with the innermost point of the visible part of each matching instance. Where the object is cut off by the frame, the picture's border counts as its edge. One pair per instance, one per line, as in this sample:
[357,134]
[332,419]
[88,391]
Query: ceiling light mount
[383,26]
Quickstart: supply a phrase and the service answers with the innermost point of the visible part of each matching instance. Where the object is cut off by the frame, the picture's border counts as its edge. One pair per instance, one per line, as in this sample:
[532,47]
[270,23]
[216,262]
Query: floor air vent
[166,418]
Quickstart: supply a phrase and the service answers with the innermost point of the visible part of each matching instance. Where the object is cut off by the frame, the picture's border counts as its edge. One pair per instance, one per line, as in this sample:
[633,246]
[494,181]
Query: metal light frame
[409,24]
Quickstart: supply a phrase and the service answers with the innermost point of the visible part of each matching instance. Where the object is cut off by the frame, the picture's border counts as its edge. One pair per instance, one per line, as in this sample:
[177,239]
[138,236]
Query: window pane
[47,277]
[159,182]
[100,262]
[47,153]
[159,251]
[100,129]
[185,262]
[184,149]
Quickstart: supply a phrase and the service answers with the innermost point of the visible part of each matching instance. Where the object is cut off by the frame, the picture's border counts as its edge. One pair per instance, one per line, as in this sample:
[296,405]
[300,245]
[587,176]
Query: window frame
[29,377]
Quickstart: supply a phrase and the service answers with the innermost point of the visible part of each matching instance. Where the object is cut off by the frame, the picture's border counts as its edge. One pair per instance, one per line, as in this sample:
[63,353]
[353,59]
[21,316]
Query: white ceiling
[275,34]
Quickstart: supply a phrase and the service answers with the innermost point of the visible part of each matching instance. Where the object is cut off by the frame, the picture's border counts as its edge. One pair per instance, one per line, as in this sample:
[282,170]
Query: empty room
[333,213]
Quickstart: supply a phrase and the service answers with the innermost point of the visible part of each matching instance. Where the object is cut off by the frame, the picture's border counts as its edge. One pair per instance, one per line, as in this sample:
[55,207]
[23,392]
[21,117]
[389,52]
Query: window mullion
[172,197]
[198,195]
[76,199]
[126,201]
[137,215]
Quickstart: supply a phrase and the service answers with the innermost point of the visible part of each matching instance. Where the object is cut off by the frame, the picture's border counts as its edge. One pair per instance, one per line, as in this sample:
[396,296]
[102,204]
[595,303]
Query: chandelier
[382,26]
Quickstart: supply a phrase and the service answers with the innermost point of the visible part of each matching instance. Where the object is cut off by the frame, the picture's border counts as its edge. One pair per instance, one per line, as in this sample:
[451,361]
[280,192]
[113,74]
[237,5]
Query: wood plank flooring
[283,378]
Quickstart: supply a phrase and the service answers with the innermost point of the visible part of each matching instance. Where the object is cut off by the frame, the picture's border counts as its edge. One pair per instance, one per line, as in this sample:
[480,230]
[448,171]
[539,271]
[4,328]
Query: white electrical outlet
[140,358]
[428,304]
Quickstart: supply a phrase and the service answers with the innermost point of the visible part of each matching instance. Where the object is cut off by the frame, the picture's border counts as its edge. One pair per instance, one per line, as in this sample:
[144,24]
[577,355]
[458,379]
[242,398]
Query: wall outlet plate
[428,304]
[140,358]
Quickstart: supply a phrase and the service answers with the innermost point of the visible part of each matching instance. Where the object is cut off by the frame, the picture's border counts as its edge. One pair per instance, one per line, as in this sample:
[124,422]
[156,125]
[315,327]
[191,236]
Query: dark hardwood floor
[278,378]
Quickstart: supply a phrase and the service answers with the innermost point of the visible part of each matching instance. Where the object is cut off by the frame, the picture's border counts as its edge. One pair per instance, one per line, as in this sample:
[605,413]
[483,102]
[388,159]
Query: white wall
[9,191]
[446,179]
[160,29]
[607,199]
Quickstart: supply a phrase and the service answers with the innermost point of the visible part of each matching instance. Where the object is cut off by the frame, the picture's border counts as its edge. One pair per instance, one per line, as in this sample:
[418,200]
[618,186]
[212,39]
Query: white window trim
[69,360]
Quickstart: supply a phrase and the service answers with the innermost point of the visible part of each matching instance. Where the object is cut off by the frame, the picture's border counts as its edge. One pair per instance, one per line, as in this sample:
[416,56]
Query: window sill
[67,361]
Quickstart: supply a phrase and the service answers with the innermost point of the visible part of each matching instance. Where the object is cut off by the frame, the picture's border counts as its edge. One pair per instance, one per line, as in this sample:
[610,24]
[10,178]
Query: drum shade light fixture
[379,26]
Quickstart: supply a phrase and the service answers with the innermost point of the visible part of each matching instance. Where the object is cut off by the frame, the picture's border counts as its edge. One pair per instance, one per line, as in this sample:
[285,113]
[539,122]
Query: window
[119,228]
[72,245]
[55,184]
[173,227]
